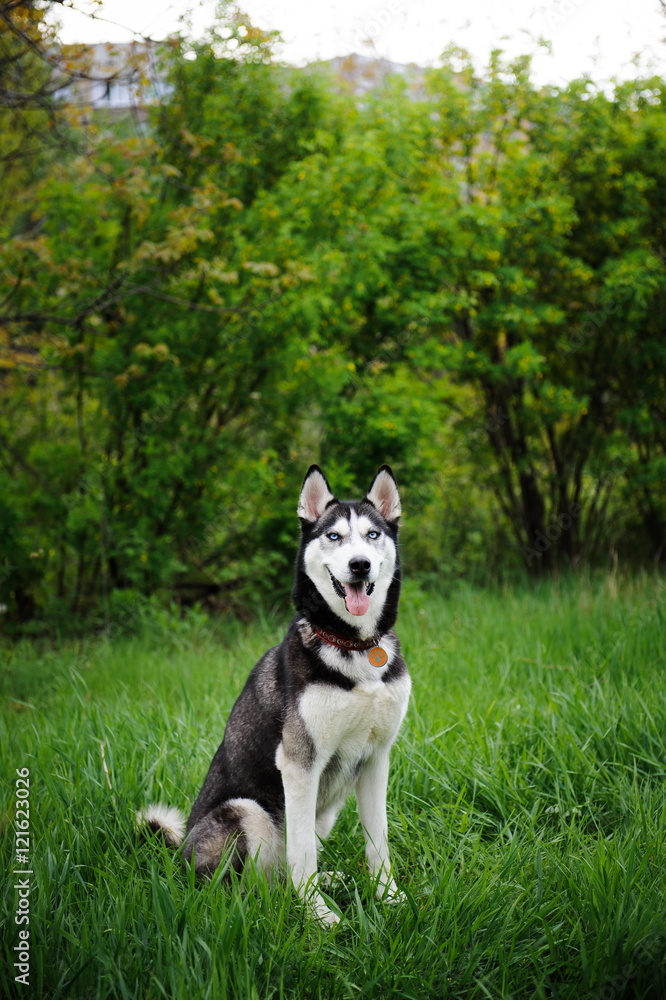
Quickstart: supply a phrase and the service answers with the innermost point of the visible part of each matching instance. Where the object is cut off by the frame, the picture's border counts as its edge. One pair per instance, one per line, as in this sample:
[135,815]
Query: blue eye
[373,534]
[333,536]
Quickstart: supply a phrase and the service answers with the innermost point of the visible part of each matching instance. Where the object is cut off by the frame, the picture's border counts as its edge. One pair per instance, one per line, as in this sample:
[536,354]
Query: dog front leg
[371,788]
[301,785]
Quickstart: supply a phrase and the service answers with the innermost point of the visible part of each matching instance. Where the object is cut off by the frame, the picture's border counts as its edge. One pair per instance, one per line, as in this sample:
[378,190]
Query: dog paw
[327,879]
[323,912]
[328,918]
[388,892]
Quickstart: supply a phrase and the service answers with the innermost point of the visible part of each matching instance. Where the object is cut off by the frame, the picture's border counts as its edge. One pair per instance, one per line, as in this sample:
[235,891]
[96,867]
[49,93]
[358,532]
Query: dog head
[348,563]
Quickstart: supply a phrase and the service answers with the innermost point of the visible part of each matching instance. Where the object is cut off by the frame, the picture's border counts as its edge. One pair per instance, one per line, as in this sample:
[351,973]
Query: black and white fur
[313,722]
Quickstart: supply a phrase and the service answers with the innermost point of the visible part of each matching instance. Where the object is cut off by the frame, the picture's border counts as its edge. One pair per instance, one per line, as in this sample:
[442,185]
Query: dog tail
[165,820]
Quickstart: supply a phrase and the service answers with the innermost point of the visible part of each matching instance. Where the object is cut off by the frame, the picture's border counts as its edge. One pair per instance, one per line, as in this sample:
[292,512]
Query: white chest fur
[348,729]
[353,723]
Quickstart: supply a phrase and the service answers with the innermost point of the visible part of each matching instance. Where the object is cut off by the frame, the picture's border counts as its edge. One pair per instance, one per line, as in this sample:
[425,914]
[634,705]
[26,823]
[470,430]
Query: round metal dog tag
[377,656]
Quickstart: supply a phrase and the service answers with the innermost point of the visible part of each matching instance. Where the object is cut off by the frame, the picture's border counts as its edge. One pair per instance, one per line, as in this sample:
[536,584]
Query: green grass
[527,807]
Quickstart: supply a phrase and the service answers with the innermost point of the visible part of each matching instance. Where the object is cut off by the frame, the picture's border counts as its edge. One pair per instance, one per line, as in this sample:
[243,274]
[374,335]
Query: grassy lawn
[527,807]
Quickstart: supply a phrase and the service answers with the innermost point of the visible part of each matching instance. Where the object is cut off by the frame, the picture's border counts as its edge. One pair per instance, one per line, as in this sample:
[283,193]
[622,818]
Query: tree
[469,285]
[157,329]
[557,282]
[26,90]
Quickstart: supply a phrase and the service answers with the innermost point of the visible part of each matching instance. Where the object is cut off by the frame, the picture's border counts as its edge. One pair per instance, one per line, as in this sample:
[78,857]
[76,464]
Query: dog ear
[383,494]
[315,495]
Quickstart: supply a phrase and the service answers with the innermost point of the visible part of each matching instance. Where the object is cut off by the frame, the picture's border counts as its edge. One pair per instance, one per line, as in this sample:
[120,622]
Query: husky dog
[319,713]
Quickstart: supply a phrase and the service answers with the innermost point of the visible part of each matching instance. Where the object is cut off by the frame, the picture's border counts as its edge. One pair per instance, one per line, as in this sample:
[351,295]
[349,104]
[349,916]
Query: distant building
[124,76]
[115,77]
[359,74]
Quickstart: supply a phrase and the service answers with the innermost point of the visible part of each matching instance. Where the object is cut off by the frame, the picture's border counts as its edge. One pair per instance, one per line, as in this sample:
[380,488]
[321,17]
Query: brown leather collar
[342,643]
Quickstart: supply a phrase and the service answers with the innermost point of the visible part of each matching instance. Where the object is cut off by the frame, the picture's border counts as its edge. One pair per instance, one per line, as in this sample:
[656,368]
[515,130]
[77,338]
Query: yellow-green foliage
[469,286]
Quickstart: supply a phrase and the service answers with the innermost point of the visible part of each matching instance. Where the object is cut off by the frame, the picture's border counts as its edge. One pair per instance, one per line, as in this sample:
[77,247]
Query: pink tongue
[357,601]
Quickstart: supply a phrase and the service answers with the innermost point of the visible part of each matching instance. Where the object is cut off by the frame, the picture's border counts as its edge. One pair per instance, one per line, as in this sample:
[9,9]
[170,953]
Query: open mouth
[355,595]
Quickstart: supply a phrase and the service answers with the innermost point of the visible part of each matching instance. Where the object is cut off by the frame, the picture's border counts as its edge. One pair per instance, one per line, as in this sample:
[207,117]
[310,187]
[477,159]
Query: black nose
[359,565]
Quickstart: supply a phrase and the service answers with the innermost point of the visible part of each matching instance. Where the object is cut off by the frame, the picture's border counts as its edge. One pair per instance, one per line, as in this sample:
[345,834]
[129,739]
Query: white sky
[598,37]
